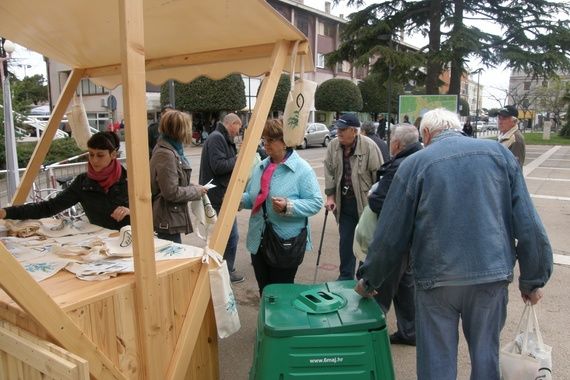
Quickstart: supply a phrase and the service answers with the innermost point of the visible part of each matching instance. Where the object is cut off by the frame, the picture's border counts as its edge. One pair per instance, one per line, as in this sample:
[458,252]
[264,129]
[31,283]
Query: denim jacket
[460,204]
[295,180]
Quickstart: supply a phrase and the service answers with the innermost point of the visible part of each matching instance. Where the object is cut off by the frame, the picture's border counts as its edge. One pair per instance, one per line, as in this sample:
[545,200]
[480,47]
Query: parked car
[332,131]
[492,126]
[481,126]
[316,134]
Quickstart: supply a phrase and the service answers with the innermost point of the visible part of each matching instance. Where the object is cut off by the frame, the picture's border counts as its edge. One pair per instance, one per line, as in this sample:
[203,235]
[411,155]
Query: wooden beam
[43,145]
[240,174]
[31,297]
[190,330]
[202,58]
[150,331]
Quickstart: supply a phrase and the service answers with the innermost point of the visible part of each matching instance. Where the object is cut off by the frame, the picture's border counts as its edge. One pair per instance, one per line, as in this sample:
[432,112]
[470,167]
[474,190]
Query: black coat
[382,145]
[97,204]
[386,174]
[219,156]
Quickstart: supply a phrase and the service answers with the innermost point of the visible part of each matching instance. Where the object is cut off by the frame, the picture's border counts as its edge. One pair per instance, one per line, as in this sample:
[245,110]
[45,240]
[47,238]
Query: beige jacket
[365,162]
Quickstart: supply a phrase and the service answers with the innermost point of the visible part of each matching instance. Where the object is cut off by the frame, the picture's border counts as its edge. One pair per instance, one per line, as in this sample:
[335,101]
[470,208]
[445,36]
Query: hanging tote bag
[299,103]
[363,233]
[225,306]
[77,119]
[526,357]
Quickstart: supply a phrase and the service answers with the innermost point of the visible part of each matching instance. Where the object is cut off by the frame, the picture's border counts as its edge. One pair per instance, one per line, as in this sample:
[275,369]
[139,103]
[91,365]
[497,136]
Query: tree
[280,97]
[28,91]
[552,98]
[208,95]
[374,90]
[565,131]
[338,95]
[534,38]
[464,107]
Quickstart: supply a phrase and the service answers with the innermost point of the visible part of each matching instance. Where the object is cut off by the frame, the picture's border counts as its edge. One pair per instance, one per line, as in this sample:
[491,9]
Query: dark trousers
[400,288]
[266,275]
[347,221]
[176,238]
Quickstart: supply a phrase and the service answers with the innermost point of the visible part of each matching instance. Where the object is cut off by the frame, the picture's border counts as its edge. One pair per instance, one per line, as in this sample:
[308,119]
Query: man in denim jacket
[463,207]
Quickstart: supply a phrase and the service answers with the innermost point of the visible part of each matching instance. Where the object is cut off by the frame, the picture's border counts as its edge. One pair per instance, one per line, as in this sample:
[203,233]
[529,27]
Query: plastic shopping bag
[77,119]
[223,299]
[364,232]
[526,357]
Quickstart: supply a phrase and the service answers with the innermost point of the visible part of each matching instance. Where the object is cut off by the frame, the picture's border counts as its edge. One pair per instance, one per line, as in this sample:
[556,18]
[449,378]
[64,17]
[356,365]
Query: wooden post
[150,332]
[236,186]
[31,297]
[43,145]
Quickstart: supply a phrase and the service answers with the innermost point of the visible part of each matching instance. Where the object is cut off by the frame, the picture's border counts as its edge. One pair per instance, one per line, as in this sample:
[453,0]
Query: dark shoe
[397,339]
[236,278]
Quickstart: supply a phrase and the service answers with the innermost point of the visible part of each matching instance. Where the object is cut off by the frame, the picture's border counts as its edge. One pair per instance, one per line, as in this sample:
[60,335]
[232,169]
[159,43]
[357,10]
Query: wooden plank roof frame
[131,42]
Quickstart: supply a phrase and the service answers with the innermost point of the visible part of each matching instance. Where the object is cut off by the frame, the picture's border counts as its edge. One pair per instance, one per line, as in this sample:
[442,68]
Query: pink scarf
[106,177]
[265,181]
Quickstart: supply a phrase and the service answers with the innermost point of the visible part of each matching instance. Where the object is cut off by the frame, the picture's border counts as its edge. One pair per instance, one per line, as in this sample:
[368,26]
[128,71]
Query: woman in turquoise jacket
[289,188]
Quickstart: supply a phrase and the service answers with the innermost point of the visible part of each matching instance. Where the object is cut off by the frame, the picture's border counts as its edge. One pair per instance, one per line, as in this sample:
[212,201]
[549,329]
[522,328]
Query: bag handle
[531,325]
[293,61]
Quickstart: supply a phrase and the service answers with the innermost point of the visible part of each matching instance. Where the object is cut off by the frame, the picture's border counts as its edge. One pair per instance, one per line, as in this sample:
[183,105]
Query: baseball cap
[347,120]
[508,111]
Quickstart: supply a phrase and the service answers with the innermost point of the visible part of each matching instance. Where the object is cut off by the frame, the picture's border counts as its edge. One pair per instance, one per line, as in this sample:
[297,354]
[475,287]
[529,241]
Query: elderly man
[400,285]
[509,134]
[350,165]
[463,207]
[219,156]
[368,129]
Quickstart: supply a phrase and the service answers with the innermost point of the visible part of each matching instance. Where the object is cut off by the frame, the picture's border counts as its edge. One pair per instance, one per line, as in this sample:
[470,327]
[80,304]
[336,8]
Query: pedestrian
[463,207]
[368,129]
[468,128]
[218,160]
[284,189]
[381,127]
[153,133]
[351,164]
[509,134]
[102,191]
[399,286]
[170,178]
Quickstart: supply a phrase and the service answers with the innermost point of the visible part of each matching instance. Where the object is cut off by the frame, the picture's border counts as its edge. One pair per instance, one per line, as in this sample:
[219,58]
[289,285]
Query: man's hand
[533,297]
[361,289]
[330,204]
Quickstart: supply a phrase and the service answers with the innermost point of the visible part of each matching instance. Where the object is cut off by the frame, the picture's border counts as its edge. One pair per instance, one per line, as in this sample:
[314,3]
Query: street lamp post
[13,178]
[478,72]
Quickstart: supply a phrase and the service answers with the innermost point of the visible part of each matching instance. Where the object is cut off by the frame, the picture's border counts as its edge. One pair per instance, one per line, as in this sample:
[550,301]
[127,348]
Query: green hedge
[60,149]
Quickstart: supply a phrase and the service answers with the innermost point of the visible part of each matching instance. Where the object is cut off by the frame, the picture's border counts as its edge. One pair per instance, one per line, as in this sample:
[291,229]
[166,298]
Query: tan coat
[365,162]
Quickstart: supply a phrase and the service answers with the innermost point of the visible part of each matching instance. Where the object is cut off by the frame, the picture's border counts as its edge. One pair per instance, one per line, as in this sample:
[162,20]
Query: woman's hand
[279,204]
[2,213]
[120,213]
[201,189]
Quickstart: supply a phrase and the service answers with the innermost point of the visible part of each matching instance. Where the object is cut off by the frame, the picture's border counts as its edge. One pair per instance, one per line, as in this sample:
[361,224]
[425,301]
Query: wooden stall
[157,323]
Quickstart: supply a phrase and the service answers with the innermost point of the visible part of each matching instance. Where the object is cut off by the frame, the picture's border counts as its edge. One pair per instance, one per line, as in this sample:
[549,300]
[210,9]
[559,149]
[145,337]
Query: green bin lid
[328,308]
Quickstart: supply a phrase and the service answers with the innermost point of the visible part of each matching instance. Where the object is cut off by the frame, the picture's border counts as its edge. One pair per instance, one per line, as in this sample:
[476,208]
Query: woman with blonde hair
[170,178]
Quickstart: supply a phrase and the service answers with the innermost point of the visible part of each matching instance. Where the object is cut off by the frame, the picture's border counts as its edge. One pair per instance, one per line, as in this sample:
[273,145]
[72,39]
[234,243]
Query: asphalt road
[548,176]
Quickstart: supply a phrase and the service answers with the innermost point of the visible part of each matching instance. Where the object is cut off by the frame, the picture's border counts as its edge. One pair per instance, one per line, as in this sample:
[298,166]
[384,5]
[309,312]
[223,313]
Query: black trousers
[266,275]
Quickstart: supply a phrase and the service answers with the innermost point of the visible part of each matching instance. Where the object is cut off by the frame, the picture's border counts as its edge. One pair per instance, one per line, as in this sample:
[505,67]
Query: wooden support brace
[151,335]
[187,339]
[27,293]
[239,177]
[43,145]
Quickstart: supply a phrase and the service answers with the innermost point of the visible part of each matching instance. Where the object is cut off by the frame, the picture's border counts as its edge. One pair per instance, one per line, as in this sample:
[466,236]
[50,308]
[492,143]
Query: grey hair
[438,120]
[405,133]
[369,128]
[230,119]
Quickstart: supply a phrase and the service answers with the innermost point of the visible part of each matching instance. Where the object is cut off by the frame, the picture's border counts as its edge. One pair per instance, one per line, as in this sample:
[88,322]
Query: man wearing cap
[509,134]
[153,129]
[350,165]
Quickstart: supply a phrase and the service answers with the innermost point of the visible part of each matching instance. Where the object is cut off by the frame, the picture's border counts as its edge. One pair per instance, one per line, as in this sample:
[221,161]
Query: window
[345,67]
[526,86]
[320,60]
[326,29]
[302,23]
[86,87]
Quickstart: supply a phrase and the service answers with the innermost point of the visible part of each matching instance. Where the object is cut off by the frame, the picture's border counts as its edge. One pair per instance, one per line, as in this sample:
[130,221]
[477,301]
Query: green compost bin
[323,331]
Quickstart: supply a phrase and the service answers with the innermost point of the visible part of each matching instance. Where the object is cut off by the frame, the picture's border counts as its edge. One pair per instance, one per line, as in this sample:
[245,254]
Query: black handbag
[282,253]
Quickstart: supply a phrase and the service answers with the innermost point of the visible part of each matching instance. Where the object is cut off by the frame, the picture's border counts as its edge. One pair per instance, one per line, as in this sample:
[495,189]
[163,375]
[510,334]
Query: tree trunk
[434,66]
[458,53]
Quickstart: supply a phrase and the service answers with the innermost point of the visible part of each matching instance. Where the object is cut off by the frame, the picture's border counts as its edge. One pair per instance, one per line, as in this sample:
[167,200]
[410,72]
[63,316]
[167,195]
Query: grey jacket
[171,190]
[365,162]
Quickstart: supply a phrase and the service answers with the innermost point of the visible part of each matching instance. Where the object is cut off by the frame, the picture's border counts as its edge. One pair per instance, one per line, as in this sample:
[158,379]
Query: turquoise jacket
[295,180]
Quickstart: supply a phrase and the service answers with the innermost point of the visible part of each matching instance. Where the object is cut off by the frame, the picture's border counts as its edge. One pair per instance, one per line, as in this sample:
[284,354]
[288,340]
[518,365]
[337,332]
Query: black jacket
[382,145]
[386,174]
[219,156]
[97,204]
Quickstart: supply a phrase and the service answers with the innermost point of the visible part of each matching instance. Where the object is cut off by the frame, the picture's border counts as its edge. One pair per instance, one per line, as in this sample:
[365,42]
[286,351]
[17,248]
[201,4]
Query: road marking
[537,162]
[561,259]
[553,168]
[550,197]
[549,179]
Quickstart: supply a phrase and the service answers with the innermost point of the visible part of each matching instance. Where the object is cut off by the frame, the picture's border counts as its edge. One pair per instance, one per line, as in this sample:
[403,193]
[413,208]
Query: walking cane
[321,245]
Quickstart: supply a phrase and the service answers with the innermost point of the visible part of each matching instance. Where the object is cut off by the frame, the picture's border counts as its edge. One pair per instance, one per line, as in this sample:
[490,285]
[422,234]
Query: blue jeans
[482,309]
[176,238]
[347,221]
[231,247]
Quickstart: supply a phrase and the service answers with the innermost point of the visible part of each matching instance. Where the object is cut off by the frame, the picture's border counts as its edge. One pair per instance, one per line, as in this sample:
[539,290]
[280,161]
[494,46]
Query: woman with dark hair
[102,191]
[284,192]
[170,178]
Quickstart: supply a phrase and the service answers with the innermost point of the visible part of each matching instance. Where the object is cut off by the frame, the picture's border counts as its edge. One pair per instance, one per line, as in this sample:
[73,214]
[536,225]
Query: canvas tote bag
[526,357]
[77,119]
[299,103]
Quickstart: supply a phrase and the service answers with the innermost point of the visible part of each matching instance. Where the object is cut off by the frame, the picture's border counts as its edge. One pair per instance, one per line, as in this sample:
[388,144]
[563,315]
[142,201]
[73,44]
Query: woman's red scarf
[106,177]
